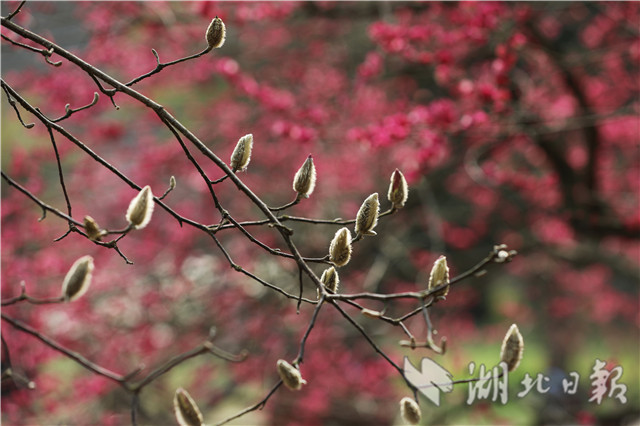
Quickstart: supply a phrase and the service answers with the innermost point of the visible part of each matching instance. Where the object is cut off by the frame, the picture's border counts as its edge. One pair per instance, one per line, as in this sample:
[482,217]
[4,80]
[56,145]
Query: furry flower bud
[172,183]
[186,411]
[439,275]
[305,179]
[216,33]
[290,375]
[367,217]
[93,230]
[398,189]
[410,411]
[330,279]
[512,348]
[242,153]
[140,209]
[340,248]
[78,279]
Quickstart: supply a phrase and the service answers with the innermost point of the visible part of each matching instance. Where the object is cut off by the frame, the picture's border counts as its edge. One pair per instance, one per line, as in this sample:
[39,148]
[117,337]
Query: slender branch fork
[273,218]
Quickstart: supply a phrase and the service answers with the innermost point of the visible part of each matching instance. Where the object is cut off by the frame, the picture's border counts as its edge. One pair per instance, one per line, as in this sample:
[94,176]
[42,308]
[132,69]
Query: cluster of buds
[186,411]
[78,279]
[140,209]
[512,348]
[290,375]
[502,255]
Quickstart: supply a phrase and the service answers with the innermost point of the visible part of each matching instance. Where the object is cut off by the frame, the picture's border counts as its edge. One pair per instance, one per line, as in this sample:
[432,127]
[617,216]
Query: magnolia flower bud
[290,375]
[305,179]
[172,183]
[439,275]
[367,217]
[410,411]
[398,189]
[242,153]
[77,281]
[340,248]
[186,411]
[512,348]
[330,279]
[92,229]
[216,33]
[141,208]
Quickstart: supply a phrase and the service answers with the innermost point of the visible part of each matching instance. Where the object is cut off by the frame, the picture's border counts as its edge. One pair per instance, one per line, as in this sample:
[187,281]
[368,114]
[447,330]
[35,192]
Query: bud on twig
[340,248]
[305,179]
[512,348]
[172,183]
[439,275]
[77,281]
[398,189]
[216,33]
[242,153]
[186,411]
[410,411]
[330,279]
[92,229]
[290,375]
[140,209]
[367,217]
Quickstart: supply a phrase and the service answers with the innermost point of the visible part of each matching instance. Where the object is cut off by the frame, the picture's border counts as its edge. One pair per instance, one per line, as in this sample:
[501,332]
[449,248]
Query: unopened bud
[242,153]
[398,189]
[305,179]
[512,348]
[410,411]
[290,375]
[367,217]
[78,279]
[172,183]
[92,229]
[371,313]
[439,275]
[330,279]
[340,248]
[216,33]
[186,411]
[141,208]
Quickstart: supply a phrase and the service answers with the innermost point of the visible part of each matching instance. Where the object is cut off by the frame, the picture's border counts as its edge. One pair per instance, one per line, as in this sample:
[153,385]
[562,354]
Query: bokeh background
[514,123]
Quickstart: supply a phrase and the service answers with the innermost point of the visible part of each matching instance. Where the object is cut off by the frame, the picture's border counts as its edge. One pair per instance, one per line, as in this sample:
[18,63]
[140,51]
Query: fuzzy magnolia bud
[140,209]
[242,153]
[367,217]
[439,275]
[305,179]
[290,375]
[398,189]
[330,279]
[78,279]
[172,183]
[340,248]
[512,348]
[410,411]
[186,410]
[92,229]
[216,33]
